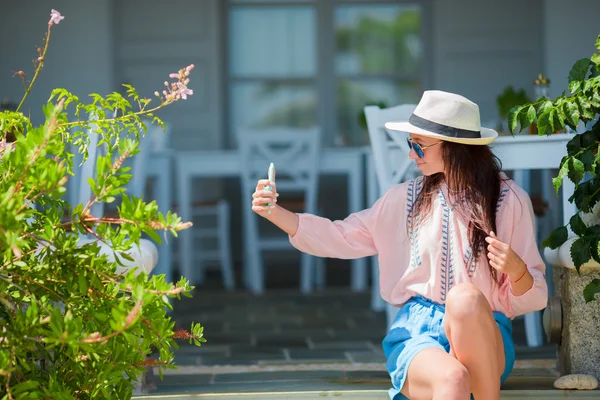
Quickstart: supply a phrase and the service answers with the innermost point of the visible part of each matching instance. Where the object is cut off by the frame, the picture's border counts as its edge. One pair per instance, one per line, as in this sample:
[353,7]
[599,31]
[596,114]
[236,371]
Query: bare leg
[435,374]
[475,339]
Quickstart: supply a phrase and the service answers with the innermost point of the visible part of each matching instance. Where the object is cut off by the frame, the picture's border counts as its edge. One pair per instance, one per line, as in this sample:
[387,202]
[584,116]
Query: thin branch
[38,69]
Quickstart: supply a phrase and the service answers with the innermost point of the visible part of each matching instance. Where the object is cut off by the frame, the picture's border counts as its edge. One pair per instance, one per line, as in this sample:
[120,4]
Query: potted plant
[574,250]
[508,99]
[70,325]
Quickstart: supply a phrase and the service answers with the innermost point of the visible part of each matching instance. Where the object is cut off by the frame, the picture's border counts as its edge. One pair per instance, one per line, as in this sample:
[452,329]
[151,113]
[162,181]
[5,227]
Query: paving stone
[227,338]
[332,344]
[204,349]
[196,379]
[380,377]
[280,376]
[281,341]
[240,359]
[187,359]
[366,357]
[308,354]
[359,334]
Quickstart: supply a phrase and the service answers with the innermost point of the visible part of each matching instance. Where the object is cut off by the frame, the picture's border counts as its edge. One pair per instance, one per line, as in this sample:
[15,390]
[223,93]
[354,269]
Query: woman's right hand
[262,197]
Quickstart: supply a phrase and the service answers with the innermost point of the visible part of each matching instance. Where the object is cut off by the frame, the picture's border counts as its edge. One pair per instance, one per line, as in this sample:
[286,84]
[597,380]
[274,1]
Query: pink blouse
[435,256]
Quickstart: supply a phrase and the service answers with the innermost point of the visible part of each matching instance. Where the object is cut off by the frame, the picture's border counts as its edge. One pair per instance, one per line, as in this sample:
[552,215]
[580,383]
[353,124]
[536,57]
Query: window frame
[326,79]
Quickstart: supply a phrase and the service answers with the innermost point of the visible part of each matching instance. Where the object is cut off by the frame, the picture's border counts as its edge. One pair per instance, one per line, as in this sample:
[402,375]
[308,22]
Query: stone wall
[579,350]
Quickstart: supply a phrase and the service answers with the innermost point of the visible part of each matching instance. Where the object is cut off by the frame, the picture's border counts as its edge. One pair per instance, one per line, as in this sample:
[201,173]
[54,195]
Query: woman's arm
[284,219]
[347,239]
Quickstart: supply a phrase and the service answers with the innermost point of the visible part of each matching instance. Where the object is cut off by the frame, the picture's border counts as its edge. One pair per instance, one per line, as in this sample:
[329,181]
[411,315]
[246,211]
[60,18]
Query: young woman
[457,252]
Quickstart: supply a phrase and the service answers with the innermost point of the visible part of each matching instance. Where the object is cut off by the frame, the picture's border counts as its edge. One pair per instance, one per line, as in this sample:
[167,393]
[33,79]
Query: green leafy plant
[510,98]
[582,162]
[71,327]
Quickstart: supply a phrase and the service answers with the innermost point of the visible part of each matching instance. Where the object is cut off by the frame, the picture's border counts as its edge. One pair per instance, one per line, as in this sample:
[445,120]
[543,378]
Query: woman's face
[432,162]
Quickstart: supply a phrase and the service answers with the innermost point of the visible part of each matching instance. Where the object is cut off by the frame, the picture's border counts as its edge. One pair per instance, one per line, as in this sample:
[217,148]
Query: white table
[226,163]
[521,154]
[528,152]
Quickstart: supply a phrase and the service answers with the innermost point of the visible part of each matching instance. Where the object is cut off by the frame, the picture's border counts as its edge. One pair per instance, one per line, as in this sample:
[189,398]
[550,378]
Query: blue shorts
[419,325]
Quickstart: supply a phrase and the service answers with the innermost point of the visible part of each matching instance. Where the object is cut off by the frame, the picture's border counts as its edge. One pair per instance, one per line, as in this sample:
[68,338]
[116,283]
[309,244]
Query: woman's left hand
[503,258]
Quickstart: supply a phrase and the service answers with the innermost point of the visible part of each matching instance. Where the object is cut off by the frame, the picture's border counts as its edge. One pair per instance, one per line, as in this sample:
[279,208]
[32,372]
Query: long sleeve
[346,239]
[516,226]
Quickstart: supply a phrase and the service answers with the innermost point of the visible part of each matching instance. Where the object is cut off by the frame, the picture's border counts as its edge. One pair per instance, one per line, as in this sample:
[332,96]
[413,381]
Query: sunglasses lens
[419,150]
[416,147]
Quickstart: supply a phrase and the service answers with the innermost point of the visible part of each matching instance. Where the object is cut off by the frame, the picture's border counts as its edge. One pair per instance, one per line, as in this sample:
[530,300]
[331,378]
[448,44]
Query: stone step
[366,395]
[532,380]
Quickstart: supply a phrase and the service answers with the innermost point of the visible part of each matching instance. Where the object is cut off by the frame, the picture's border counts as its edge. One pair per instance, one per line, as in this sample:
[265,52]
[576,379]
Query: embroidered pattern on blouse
[469,261]
[447,270]
[414,188]
[501,198]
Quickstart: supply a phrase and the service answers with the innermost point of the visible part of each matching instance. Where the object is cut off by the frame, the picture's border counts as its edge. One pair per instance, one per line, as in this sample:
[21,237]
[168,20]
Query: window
[306,63]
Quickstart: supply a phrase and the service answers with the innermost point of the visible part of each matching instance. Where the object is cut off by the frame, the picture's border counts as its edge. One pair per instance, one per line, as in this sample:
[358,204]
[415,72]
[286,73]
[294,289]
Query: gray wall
[480,47]
[80,57]
[570,31]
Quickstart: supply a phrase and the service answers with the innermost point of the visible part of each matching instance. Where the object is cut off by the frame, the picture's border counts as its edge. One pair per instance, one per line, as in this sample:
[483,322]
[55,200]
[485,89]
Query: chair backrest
[390,154]
[149,143]
[295,154]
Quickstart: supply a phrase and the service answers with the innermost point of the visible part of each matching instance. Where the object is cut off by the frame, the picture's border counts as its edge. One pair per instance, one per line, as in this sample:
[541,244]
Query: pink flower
[174,75]
[183,92]
[55,17]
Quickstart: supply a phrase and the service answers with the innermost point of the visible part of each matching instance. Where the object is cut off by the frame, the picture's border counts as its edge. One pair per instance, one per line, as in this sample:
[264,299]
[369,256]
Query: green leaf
[551,119]
[513,115]
[578,72]
[572,113]
[576,170]
[595,100]
[544,107]
[580,252]
[556,238]
[598,43]
[531,114]
[544,122]
[587,158]
[523,119]
[594,249]
[574,145]
[591,290]
[586,108]
[577,225]
[574,86]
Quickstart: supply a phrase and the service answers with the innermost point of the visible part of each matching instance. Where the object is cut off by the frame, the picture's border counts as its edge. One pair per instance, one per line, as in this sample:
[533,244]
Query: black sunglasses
[418,148]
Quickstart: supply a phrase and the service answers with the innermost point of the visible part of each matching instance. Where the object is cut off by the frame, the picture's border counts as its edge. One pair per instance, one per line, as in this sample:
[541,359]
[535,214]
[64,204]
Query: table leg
[186,237]
[377,303]
[164,198]
[358,282]
[533,321]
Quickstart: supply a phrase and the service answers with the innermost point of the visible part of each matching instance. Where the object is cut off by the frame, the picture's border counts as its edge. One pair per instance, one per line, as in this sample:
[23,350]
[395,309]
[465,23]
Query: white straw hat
[446,116]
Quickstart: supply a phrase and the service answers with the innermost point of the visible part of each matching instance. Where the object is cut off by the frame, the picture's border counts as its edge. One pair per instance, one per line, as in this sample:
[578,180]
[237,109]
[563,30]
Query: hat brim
[487,135]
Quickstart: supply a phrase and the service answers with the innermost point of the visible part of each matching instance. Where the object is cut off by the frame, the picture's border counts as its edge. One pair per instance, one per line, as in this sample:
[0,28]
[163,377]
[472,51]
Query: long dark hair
[474,173]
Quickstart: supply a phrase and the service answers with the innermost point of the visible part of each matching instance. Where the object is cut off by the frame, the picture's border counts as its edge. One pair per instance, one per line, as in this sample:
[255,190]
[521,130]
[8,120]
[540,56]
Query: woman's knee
[455,380]
[464,300]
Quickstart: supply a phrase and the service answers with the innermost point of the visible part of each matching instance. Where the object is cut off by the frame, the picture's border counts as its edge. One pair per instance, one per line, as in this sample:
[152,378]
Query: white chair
[217,230]
[295,153]
[392,166]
